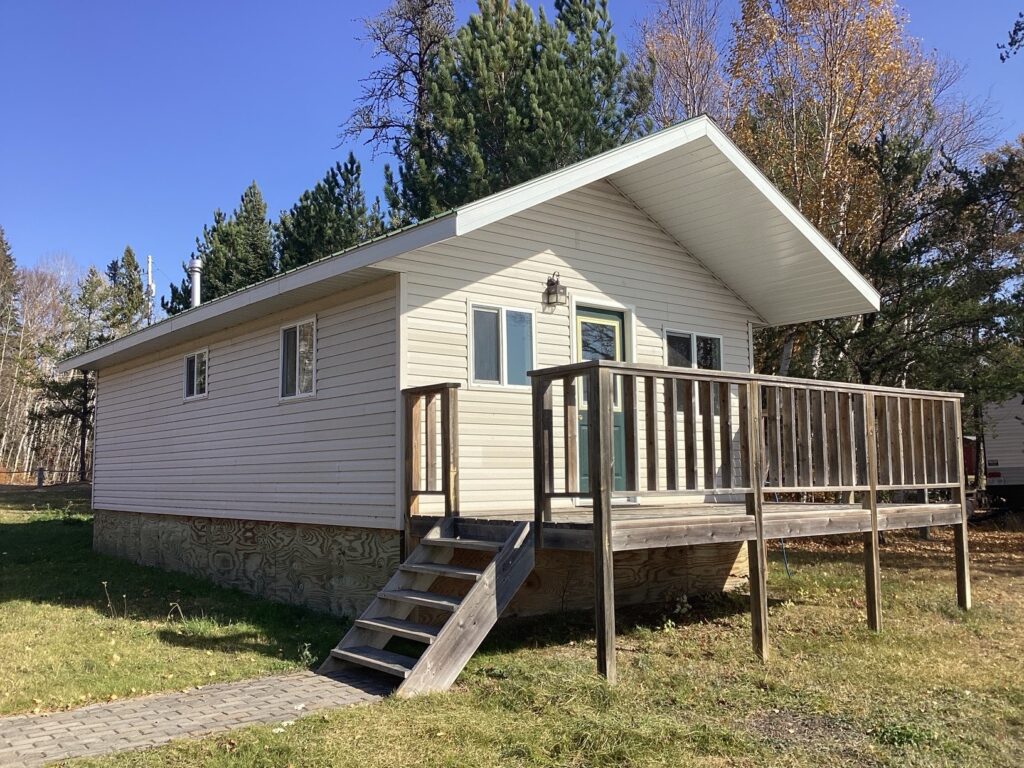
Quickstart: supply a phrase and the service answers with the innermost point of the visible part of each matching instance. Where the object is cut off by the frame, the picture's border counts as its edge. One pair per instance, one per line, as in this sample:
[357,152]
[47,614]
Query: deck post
[872,566]
[963,566]
[599,420]
[411,464]
[450,450]
[543,459]
[755,507]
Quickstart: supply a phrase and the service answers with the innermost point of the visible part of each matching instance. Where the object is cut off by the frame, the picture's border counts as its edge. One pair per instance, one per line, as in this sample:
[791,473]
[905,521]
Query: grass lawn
[62,644]
[936,688]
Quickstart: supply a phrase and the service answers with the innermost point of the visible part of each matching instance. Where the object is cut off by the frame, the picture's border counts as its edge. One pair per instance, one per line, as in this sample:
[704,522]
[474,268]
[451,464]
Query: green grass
[936,688]
[63,643]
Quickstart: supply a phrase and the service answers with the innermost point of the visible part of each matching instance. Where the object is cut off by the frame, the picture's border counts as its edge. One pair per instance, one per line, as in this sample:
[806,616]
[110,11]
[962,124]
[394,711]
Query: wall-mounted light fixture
[555,294]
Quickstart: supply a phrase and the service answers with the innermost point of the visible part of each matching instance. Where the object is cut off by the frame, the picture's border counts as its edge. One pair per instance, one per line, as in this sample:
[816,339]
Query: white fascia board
[519,198]
[428,233]
[793,215]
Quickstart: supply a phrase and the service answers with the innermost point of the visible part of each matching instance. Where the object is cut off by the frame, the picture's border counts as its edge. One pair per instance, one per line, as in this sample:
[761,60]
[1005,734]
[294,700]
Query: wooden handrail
[712,433]
[426,472]
[666,371]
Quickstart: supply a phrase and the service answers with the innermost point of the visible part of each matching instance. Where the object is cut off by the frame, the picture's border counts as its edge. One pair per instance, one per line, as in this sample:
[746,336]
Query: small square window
[298,359]
[195,374]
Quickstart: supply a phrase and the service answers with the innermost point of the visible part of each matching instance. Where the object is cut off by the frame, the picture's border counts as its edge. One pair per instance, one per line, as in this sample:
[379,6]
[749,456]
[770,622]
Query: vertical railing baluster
[725,431]
[805,470]
[651,430]
[774,439]
[570,425]
[631,428]
[430,418]
[707,428]
[872,567]
[689,432]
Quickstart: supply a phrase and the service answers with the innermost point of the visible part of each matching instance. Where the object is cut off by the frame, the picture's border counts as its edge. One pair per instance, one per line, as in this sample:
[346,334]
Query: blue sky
[129,122]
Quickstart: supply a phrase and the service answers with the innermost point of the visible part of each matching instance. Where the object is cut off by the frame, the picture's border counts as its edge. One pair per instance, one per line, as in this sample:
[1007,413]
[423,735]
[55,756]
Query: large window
[502,346]
[195,374]
[298,359]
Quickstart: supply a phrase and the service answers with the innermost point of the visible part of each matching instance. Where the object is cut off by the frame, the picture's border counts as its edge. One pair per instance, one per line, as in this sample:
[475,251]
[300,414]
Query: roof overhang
[690,179]
[694,183]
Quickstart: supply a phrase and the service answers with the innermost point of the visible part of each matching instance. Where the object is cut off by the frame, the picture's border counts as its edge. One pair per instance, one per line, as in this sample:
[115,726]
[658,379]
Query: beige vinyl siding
[243,452]
[608,253]
[1004,441]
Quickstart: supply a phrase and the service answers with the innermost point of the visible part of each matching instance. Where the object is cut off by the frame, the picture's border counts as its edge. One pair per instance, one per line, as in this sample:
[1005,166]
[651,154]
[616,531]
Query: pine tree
[127,300]
[236,252]
[513,96]
[328,218]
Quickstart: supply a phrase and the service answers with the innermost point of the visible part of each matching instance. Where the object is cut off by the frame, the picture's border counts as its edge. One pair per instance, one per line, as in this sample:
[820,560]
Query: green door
[600,335]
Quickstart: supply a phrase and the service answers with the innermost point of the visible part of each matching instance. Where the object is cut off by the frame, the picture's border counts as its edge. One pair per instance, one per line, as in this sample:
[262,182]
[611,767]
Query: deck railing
[713,433]
[428,411]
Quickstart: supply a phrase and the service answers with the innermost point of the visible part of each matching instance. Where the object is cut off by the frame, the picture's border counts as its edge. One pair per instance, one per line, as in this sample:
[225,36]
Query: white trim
[281,397]
[185,397]
[502,311]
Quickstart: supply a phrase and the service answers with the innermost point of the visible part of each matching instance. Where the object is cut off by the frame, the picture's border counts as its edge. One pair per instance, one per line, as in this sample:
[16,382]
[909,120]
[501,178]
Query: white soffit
[705,193]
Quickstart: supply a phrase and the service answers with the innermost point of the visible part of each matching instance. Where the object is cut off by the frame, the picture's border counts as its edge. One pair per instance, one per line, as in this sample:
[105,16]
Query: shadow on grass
[50,561]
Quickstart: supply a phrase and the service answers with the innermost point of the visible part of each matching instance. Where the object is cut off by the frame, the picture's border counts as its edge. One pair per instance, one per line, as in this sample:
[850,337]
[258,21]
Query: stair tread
[441,569]
[428,599]
[447,541]
[409,629]
[377,658]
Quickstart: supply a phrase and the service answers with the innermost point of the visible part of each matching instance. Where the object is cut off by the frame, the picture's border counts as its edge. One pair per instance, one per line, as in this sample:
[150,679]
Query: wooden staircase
[455,626]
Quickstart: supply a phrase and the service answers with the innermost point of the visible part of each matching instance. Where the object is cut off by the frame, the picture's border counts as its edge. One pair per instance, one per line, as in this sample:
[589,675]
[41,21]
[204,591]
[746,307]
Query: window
[298,359]
[692,350]
[195,374]
[502,351]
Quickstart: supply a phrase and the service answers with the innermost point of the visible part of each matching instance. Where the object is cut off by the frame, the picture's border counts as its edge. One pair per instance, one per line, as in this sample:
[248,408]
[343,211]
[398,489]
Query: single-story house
[263,439]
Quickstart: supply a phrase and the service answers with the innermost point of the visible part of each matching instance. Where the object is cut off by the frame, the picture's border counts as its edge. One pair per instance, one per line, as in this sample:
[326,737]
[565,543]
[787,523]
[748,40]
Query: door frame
[628,311]
[601,302]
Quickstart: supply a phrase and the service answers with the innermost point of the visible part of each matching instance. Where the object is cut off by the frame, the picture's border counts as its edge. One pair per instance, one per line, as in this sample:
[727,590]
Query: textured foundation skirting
[339,569]
[329,568]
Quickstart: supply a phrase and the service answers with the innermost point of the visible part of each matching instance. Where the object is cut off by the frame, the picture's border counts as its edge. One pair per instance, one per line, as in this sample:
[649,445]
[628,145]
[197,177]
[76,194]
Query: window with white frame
[502,346]
[195,374]
[298,359]
[694,350]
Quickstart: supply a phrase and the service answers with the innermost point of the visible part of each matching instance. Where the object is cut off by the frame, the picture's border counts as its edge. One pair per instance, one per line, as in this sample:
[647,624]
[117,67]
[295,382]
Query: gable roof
[690,179]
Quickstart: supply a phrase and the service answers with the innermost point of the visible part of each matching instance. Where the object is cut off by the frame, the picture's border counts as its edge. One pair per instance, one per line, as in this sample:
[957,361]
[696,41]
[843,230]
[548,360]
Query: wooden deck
[650,526]
[605,431]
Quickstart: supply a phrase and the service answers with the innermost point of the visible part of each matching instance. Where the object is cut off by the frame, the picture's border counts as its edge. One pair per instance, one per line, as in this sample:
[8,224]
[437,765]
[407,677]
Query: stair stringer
[460,636]
[381,608]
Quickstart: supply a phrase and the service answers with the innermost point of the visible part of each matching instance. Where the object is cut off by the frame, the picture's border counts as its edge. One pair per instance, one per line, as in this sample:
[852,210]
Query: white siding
[1004,441]
[241,452]
[607,252]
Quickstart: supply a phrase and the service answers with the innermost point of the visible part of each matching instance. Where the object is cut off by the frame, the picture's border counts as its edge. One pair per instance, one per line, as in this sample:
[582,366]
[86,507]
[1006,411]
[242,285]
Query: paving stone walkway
[35,740]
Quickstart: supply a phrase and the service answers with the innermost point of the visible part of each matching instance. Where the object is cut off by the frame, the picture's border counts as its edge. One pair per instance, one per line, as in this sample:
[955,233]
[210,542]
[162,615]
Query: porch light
[555,294]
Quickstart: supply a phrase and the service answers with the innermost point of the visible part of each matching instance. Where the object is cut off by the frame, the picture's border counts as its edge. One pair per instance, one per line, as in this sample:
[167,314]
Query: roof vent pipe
[195,271]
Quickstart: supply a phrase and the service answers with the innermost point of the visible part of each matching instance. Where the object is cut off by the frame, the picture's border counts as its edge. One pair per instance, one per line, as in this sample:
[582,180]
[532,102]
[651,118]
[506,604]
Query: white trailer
[1004,449]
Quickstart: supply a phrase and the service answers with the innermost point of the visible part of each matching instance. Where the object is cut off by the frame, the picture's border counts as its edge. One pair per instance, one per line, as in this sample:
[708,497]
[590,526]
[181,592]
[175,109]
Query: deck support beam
[599,436]
[750,407]
[872,566]
[963,566]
